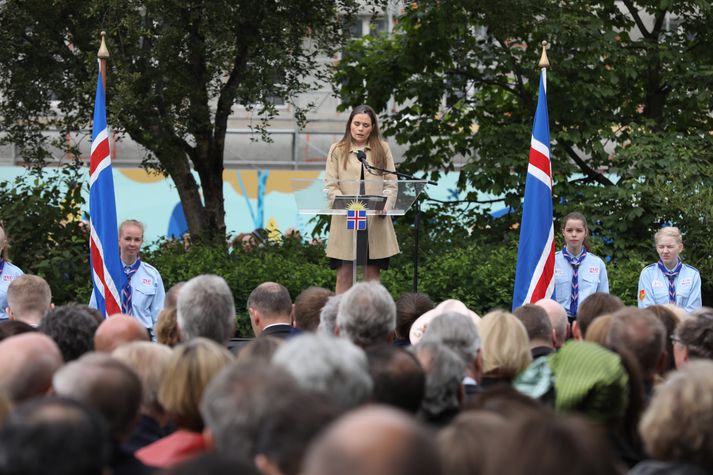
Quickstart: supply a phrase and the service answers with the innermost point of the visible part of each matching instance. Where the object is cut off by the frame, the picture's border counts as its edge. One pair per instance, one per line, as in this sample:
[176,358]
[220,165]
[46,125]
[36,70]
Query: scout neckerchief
[575,263]
[126,307]
[671,275]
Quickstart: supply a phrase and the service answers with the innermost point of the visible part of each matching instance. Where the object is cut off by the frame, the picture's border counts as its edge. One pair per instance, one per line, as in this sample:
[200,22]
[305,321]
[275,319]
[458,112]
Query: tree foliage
[177,69]
[41,213]
[630,103]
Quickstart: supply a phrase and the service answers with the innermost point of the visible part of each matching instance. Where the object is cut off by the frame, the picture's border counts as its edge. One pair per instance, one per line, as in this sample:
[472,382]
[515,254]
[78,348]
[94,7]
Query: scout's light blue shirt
[9,273]
[653,287]
[147,295]
[592,277]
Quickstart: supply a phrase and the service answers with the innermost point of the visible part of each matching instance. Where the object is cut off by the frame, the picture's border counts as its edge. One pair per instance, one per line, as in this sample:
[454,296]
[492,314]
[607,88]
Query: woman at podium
[347,175]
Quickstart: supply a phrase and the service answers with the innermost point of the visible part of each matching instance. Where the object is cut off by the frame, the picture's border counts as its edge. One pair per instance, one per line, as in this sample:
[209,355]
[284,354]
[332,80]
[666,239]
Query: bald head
[29,361]
[116,331]
[558,318]
[374,441]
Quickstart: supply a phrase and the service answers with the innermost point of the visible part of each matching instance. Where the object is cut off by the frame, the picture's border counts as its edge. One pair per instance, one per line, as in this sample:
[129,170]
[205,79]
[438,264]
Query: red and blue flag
[534,275]
[356,219]
[107,271]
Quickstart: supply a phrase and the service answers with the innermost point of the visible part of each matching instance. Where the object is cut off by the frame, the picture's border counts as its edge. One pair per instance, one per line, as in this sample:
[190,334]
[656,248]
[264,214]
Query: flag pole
[534,269]
[103,55]
[544,63]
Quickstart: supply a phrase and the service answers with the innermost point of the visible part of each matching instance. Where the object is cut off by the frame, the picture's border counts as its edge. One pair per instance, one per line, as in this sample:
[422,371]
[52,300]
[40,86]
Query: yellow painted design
[277,180]
[273,230]
[356,205]
[140,175]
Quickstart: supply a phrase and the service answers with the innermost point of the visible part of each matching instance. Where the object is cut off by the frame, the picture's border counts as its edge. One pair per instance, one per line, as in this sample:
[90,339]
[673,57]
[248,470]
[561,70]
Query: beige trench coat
[382,238]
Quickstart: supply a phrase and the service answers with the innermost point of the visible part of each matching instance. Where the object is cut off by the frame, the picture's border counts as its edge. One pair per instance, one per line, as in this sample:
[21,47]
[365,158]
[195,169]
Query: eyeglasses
[676,339]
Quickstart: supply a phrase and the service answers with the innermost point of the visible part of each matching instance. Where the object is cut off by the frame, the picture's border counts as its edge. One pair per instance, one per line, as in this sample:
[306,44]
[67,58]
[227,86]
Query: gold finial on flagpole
[103,55]
[544,62]
[103,52]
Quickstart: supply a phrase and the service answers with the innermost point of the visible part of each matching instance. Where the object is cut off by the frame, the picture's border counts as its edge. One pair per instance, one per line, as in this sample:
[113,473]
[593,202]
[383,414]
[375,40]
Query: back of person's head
[212,463]
[328,316]
[678,423]
[445,371]
[536,322]
[191,367]
[598,331]
[399,380]
[149,361]
[409,307]
[260,350]
[118,330]
[331,366]
[558,319]
[420,326]
[505,347]
[289,428]
[505,401]
[237,402]
[467,442]
[205,308]
[374,440]
[29,361]
[308,306]
[272,300]
[167,332]
[72,328]
[54,435]
[10,328]
[642,334]
[171,299]
[29,298]
[457,332]
[367,314]
[569,445]
[105,384]
[596,305]
[670,321]
[696,334]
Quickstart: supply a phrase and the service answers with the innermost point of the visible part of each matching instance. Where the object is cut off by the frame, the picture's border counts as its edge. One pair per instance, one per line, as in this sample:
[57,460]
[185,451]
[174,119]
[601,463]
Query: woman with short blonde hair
[670,280]
[505,347]
[191,367]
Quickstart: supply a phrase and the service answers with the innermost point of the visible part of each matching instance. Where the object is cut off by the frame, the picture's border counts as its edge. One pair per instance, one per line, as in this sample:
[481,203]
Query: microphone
[361,156]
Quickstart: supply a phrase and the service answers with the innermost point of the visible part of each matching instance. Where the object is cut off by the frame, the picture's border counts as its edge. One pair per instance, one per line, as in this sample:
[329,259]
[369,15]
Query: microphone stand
[417,220]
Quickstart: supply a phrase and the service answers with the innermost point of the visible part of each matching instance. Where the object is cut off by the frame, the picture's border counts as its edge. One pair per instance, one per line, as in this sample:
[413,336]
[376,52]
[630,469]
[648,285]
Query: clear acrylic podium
[389,197]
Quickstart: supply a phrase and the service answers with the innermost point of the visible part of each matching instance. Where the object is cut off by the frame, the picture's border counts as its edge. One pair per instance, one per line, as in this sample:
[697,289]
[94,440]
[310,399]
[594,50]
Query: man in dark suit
[270,308]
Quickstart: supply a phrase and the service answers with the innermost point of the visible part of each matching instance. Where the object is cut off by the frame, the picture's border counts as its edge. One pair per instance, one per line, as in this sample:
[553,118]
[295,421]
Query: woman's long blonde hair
[378,154]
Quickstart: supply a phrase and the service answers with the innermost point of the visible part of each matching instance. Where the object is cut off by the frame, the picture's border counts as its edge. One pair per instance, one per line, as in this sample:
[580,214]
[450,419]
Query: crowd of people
[357,382]
[353,383]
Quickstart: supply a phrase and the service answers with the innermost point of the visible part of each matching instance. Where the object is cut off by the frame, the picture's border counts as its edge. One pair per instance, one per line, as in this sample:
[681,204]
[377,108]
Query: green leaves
[41,212]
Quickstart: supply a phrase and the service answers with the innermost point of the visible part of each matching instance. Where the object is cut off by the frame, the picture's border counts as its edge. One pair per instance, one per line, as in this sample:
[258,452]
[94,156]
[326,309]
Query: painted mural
[253,199]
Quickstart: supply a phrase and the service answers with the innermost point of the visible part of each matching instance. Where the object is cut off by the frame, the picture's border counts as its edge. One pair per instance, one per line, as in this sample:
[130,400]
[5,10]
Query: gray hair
[237,401]
[457,332]
[328,315]
[444,372]
[206,308]
[328,365]
[367,314]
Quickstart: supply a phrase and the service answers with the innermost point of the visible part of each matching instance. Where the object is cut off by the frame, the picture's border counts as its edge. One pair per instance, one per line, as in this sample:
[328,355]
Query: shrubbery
[42,214]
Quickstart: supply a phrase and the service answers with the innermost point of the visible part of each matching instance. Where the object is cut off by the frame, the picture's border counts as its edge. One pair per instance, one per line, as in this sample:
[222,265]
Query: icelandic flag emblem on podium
[356,219]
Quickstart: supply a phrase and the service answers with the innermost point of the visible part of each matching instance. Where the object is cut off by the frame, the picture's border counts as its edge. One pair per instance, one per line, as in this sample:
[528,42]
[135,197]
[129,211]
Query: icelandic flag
[107,272]
[356,219]
[534,275]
